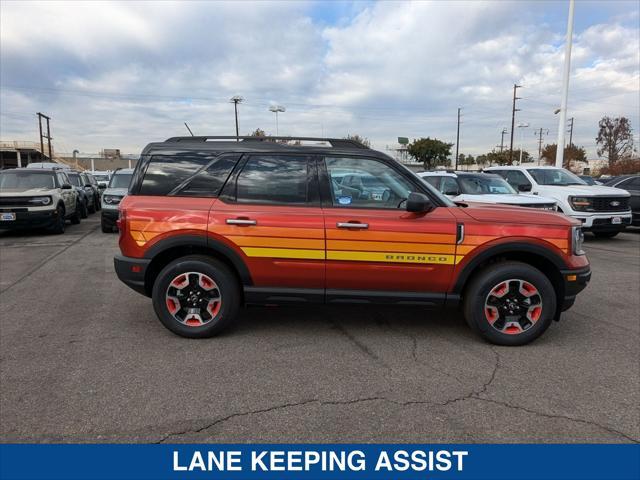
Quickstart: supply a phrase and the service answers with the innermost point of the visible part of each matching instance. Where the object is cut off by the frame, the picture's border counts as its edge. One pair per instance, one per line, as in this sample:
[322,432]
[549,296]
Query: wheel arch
[172,248]
[548,262]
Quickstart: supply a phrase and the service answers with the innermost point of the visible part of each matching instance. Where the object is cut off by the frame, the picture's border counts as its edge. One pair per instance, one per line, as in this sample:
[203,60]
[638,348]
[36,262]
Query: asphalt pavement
[84,359]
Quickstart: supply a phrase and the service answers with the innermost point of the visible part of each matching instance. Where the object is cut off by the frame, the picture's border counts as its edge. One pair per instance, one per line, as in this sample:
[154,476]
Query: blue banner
[310,461]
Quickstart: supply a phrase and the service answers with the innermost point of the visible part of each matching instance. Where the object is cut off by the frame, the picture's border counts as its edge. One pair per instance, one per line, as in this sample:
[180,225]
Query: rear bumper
[37,219]
[131,271]
[574,282]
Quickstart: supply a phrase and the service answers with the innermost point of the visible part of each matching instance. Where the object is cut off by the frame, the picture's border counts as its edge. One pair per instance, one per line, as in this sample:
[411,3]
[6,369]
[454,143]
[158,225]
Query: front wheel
[510,303]
[196,296]
[606,234]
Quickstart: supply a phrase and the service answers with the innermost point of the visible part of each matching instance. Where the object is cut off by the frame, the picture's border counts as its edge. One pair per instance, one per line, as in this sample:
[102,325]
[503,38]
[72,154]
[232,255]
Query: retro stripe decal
[283,253]
[391,257]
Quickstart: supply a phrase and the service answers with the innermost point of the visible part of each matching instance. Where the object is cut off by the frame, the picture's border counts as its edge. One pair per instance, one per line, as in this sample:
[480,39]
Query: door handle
[360,226]
[241,221]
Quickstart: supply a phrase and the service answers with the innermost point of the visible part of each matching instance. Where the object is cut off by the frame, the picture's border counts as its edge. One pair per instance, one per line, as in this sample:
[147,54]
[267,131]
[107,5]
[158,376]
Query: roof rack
[334,142]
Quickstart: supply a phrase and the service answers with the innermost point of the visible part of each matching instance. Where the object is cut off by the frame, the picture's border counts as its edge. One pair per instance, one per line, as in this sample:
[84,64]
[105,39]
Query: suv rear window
[273,180]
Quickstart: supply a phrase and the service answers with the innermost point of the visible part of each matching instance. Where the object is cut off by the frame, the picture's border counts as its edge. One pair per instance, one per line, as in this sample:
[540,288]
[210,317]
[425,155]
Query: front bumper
[574,282]
[131,271]
[603,221]
[29,219]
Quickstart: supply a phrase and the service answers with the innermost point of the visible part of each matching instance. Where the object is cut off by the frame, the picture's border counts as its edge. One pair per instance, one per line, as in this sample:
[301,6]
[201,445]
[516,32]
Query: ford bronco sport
[211,223]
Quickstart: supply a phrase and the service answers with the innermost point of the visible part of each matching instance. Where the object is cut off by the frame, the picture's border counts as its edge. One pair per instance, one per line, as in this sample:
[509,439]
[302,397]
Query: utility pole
[571,133]
[457,141]
[504,131]
[47,136]
[562,121]
[540,132]
[236,100]
[513,120]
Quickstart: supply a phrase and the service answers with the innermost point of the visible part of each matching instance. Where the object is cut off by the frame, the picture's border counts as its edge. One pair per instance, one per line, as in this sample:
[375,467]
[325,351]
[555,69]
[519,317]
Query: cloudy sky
[119,75]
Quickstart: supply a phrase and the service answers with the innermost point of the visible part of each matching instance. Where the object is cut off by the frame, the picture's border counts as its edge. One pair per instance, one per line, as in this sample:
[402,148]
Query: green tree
[572,155]
[258,132]
[357,138]
[466,160]
[430,151]
[615,139]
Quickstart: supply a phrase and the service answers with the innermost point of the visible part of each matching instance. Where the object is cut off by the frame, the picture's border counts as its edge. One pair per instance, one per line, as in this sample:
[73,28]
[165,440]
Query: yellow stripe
[390,246]
[283,253]
[391,257]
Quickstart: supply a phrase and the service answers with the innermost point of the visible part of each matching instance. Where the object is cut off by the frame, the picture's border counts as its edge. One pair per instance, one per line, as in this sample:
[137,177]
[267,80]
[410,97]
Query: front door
[374,246]
[270,213]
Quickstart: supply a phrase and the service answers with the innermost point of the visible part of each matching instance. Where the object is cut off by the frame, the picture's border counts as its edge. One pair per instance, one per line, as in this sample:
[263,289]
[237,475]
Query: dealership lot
[83,358]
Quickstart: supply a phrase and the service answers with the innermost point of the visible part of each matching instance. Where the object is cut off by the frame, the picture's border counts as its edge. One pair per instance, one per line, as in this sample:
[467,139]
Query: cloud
[123,74]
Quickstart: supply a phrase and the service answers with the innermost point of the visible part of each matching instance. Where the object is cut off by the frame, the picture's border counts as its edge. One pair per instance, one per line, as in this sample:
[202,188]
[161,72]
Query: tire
[96,203]
[84,210]
[199,268]
[105,228]
[92,208]
[60,223]
[606,234]
[535,310]
[75,218]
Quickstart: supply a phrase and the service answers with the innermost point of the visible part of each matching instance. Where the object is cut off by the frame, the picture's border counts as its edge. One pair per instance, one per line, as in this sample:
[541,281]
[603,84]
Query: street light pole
[562,121]
[521,125]
[236,100]
[275,109]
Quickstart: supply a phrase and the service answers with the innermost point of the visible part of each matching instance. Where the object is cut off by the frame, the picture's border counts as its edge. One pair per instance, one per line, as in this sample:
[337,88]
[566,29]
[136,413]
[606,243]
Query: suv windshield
[484,184]
[555,176]
[26,180]
[75,179]
[120,180]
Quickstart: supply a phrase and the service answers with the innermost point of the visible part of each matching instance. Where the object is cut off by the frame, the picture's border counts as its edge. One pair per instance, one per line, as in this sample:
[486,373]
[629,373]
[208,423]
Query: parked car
[85,196]
[93,183]
[630,183]
[60,166]
[37,198]
[102,177]
[589,180]
[210,225]
[483,188]
[605,211]
[112,196]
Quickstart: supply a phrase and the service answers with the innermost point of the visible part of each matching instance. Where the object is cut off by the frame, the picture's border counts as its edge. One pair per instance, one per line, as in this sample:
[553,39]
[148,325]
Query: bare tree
[615,138]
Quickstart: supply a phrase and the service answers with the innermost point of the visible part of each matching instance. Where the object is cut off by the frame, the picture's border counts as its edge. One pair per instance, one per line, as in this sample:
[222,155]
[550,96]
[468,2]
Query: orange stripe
[246,241]
[334,234]
[258,231]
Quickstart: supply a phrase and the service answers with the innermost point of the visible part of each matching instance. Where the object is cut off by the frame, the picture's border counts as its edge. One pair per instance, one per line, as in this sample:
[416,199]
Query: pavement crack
[220,420]
[360,345]
[558,416]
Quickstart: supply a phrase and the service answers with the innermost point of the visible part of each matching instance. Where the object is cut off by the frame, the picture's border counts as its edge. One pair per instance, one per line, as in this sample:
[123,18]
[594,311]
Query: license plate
[7,217]
[616,220]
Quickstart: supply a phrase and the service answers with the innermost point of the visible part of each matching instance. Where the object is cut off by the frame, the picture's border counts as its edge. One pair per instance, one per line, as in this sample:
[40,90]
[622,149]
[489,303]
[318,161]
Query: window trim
[229,193]
[326,199]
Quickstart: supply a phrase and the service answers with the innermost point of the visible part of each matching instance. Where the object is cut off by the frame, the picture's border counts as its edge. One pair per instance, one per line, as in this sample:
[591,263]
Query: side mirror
[418,203]
[524,188]
[66,186]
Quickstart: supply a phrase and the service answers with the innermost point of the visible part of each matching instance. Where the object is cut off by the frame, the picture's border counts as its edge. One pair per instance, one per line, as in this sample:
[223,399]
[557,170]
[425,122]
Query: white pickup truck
[605,211]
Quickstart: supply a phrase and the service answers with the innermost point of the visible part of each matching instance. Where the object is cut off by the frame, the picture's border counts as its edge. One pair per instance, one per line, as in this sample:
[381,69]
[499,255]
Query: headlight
[580,203]
[577,239]
[40,200]
[112,199]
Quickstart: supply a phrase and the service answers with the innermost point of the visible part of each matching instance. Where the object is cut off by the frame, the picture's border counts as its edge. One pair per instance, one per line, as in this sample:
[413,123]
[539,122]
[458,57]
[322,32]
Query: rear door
[68,196]
[269,212]
[374,246]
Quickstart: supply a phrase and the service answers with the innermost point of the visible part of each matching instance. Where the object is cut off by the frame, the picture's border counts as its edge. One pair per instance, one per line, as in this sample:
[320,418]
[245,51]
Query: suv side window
[365,183]
[165,173]
[62,179]
[515,178]
[274,179]
[209,182]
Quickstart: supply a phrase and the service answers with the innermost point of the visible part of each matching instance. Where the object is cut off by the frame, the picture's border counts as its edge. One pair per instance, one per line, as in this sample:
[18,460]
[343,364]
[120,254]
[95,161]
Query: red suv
[211,223]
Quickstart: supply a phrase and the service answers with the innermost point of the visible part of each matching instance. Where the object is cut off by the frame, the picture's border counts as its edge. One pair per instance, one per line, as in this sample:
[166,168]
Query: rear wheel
[606,234]
[196,296]
[75,218]
[510,303]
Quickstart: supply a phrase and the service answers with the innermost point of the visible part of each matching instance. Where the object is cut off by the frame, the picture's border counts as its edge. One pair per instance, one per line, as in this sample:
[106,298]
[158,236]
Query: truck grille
[609,204]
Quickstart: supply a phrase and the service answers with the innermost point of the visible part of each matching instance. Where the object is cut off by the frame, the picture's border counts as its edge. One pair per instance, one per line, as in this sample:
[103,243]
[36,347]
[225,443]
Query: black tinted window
[166,172]
[273,179]
[210,181]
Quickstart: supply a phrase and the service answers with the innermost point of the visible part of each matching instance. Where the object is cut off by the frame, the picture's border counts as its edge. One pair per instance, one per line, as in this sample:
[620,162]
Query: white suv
[603,210]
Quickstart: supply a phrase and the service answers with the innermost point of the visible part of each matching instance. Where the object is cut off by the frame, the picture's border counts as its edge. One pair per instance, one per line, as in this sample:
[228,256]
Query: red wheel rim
[193,299]
[513,306]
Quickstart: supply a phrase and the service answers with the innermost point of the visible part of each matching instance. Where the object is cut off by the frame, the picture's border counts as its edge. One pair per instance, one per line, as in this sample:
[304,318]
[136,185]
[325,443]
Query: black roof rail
[334,142]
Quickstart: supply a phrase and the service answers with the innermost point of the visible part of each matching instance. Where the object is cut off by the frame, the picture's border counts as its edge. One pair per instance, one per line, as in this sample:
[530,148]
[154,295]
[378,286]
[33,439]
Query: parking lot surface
[83,358]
